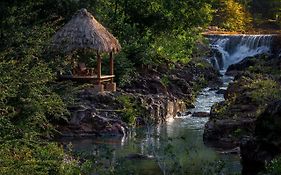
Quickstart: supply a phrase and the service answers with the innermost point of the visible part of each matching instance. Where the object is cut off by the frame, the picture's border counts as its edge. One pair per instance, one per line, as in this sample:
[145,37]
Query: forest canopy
[151,33]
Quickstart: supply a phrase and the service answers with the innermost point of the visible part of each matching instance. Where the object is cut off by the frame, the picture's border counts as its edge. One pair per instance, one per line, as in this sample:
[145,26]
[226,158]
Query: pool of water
[174,147]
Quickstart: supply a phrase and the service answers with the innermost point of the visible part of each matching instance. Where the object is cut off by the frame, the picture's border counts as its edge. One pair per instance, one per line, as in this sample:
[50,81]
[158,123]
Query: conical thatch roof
[84,31]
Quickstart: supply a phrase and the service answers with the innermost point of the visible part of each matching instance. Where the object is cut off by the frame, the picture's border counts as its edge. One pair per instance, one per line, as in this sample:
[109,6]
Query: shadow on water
[175,147]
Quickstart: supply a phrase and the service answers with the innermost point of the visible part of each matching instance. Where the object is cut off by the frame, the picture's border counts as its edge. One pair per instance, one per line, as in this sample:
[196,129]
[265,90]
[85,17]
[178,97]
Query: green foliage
[263,91]
[28,157]
[28,103]
[131,109]
[165,80]
[221,109]
[172,47]
[125,68]
[274,167]
[231,15]
[270,9]
[141,27]
[129,113]
[265,65]
[150,32]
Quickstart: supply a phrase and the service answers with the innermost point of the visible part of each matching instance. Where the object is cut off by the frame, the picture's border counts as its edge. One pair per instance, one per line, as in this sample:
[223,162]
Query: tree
[231,15]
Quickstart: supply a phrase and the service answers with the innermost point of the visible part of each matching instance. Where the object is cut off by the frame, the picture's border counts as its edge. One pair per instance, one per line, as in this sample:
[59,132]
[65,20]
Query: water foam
[231,49]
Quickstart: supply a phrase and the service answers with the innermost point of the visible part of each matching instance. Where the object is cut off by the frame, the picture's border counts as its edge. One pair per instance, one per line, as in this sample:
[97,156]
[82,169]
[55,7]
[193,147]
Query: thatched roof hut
[83,31]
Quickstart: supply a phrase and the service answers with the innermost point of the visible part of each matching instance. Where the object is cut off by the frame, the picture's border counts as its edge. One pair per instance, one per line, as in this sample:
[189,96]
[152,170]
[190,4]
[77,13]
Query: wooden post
[99,67]
[111,65]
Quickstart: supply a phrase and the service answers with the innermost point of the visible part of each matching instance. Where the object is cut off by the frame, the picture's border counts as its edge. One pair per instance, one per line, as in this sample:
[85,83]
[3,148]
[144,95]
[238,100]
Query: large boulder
[276,46]
[94,114]
[231,119]
[234,69]
[217,59]
[84,123]
[266,143]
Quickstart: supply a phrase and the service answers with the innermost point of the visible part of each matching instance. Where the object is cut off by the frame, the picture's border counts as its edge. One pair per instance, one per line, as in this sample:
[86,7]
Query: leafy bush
[28,157]
[171,47]
[131,109]
[274,167]
[263,90]
[165,80]
[129,113]
[232,15]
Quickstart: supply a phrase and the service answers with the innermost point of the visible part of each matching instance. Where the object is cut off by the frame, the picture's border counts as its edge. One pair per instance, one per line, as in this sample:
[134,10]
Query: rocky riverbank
[259,150]
[154,96]
[248,107]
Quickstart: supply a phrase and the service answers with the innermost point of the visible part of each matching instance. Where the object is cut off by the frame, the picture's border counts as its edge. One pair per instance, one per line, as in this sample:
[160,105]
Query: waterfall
[231,49]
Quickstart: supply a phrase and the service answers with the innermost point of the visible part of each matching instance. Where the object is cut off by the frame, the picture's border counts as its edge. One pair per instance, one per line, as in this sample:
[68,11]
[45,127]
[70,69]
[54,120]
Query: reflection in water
[175,147]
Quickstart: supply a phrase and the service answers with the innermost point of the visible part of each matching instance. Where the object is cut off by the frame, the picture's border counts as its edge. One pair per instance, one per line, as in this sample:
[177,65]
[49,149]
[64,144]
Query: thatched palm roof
[84,31]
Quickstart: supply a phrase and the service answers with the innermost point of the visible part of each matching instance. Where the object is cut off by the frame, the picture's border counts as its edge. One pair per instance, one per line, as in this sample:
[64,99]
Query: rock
[251,161]
[94,125]
[114,129]
[178,82]
[234,69]
[214,89]
[221,91]
[225,133]
[200,114]
[139,157]
[140,121]
[186,113]
[228,123]
[158,93]
[79,113]
[231,151]
[276,46]
[216,58]
[190,106]
[266,143]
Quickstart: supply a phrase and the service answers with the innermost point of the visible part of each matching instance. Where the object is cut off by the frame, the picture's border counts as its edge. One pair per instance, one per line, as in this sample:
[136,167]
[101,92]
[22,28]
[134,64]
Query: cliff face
[266,143]
[276,46]
[156,95]
[257,83]
[250,115]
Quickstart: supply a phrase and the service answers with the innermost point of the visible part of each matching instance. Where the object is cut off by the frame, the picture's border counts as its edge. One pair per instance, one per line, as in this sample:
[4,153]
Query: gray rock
[221,91]
[139,156]
[231,151]
[265,145]
[200,114]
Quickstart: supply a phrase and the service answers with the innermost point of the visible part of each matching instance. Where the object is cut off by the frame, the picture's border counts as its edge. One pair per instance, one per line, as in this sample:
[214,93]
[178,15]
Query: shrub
[129,113]
[263,90]
[232,15]
[274,167]
[23,156]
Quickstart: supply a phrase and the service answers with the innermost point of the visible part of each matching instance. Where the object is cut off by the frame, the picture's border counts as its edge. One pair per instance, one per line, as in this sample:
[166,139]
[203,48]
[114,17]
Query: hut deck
[87,78]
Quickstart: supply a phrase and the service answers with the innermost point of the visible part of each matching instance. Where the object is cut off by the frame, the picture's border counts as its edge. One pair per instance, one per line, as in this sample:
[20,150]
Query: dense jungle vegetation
[151,32]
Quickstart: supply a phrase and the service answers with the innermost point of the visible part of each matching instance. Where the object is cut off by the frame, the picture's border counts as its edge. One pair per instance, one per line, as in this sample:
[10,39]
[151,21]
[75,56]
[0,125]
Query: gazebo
[83,31]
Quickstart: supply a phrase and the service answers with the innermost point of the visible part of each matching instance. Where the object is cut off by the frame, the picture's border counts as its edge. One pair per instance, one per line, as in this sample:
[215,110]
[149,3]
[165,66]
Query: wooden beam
[99,67]
[111,65]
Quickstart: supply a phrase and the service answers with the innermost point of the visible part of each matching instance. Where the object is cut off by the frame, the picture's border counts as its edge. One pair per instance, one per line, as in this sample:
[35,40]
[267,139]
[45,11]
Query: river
[176,147]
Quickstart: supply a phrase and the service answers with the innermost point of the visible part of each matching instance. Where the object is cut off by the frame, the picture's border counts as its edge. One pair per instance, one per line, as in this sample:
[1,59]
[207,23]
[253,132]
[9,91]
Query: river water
[174,147]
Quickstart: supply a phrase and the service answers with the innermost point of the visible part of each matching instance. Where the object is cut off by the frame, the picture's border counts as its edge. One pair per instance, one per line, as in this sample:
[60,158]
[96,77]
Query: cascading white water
[231,49]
